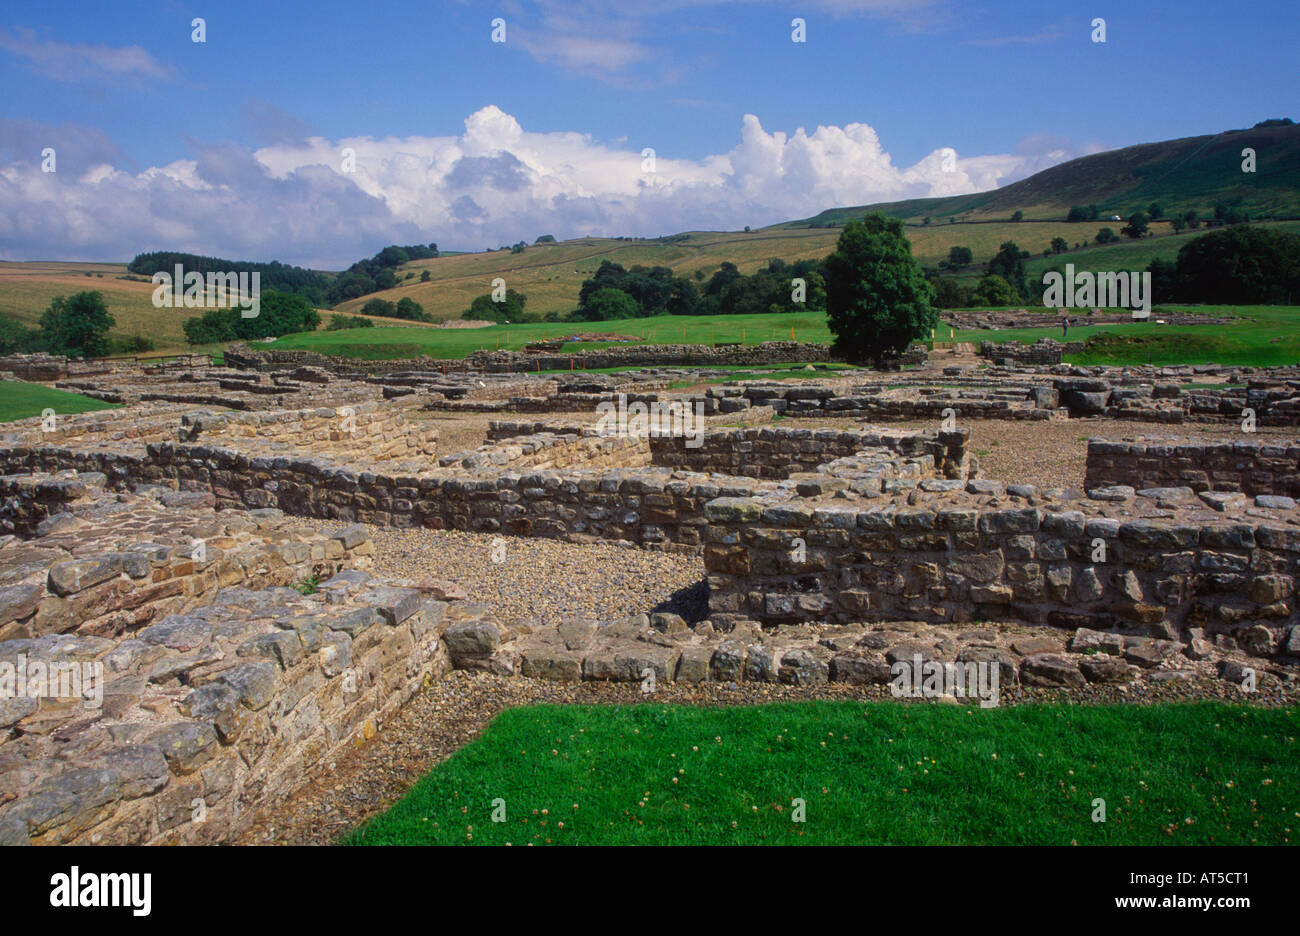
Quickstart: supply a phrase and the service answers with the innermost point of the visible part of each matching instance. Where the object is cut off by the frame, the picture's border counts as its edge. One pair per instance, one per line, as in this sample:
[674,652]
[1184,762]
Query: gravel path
[1049,453]
[459,432]
[547,580]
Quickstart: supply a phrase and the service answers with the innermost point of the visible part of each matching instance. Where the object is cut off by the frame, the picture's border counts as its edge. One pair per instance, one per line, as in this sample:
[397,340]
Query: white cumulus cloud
[495,183]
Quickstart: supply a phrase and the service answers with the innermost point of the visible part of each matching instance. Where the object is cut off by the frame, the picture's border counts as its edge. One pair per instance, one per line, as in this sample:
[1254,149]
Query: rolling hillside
[1193,173]
[26,290]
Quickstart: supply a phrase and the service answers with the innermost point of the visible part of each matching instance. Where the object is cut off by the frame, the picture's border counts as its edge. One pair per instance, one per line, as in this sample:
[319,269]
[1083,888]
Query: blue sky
[207,140]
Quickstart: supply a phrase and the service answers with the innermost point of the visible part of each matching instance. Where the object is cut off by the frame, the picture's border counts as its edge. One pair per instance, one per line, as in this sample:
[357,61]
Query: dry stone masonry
[1242,466]
[186,688]
[204,549]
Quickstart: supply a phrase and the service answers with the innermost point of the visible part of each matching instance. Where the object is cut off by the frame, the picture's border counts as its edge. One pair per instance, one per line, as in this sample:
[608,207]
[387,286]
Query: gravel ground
[1050,453]
[453,711]
[1054,454]
[547,580]
[459,432]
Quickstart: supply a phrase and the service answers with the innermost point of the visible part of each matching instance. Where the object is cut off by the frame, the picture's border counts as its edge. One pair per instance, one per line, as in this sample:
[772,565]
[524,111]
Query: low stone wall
[155,692]
[769,352]
[154,422]
[100,577]
[378,431]
[545,449]
[645,506]
[778,453]
[47,368]
[1042,351]
[520,362]
[1160,566]
[650,506]
[223,387]
[27,501]
[1051,318]
[244,357]
[1246,466]
[207,718]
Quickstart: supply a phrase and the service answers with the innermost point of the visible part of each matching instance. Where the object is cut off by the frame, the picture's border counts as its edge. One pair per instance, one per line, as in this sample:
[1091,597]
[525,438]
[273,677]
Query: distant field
[19,400]
[379,343]
[550,275]
[26,290]
[1130,254]
[851,773]
[1262,336]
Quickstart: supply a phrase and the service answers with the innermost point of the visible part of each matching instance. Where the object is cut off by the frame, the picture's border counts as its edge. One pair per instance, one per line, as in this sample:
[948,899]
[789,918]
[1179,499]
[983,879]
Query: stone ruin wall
[643,505]
[377,431]
[46,368]
[116,591]
[545,448]
[1245,466]
[956,564]
[1042,351]
[891,527]
[305,688]
[777,454]
[520,362]
[994,319]
[222,689]
[26,501]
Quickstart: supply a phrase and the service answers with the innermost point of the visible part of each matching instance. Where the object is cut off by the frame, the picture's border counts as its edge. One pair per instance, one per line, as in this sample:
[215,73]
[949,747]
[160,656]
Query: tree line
[320,289]
[617,292]
[1232,265]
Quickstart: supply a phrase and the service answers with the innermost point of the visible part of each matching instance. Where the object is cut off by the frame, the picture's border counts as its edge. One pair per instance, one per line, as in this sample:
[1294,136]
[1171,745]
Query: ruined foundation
[243,651]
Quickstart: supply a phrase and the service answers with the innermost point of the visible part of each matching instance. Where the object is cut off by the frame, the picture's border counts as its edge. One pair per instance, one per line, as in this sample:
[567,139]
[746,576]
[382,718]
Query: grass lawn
[1261,336]
[454,343]
[868,773]
[19,400]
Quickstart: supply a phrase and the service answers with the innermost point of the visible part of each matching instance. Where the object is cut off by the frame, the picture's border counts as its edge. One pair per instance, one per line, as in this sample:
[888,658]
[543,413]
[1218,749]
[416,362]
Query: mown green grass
[1260,336]
[455,343]
[19,400]
[868,773]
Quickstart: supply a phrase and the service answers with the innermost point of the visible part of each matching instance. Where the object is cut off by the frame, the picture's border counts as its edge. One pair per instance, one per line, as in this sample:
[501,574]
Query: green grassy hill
[1192,173]
[550,275]
[1130,254]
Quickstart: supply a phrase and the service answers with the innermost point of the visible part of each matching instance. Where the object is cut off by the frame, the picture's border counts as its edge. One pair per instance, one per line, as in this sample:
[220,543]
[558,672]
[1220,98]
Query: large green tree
[280,314]
[77,326]
[509,310]
[607,303]
[1138,225]
[877,298]
[993,290]
[1240,266]
[1009,263]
